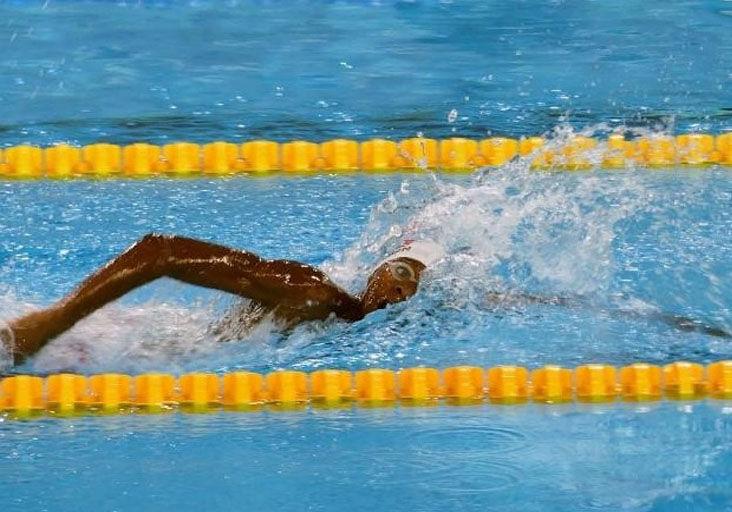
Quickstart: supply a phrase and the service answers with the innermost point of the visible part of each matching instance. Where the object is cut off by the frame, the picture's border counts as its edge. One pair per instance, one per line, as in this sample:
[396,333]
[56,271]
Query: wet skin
[293,291]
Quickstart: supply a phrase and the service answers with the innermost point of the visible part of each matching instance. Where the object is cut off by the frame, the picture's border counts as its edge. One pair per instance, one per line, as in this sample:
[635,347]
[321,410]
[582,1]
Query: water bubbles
[389,204]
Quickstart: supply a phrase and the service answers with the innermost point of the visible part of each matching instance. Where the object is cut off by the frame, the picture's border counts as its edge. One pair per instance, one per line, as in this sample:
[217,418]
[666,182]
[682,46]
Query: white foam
[559,229]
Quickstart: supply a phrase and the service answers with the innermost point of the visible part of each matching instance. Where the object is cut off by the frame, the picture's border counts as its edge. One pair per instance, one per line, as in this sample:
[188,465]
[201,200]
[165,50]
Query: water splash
[586,241]
[541,267]
[523,228]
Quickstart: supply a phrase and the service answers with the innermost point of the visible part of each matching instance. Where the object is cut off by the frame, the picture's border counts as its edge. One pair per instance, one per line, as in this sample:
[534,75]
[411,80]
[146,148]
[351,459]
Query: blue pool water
[631,244]
[625,247]
[125,71]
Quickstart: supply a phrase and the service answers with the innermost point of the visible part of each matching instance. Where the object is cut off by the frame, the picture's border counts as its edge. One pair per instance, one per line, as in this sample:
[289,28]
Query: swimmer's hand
[686,324]
[30,332]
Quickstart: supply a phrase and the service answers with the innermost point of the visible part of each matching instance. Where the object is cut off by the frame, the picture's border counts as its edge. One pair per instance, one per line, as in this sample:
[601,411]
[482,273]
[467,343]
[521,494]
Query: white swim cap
[426,252]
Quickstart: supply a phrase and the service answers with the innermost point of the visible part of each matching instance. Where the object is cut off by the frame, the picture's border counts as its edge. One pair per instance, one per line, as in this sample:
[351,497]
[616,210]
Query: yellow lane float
[222,158]
[24,395]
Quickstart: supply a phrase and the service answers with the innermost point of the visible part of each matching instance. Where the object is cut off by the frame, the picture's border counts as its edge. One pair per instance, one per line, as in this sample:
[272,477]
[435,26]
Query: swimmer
[293,292]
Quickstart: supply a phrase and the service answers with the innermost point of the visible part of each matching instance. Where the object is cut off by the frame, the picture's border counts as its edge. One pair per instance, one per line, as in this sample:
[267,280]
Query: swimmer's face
[392,282]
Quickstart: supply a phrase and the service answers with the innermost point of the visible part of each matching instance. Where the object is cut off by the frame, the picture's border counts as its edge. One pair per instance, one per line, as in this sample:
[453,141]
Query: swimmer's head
[393,281]
[396,278]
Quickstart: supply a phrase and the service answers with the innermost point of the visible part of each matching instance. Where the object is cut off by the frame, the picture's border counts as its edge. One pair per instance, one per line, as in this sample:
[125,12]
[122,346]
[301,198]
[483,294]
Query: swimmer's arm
[273,283]
[512,299]
[679,322]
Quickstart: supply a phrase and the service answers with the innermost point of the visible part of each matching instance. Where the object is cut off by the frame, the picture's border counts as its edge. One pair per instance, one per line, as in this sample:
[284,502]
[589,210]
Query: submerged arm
[301,291]
[512,299]
[682,323]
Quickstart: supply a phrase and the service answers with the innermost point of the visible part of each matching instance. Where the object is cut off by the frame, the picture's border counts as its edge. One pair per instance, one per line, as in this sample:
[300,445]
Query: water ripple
[470,440]
[477,476]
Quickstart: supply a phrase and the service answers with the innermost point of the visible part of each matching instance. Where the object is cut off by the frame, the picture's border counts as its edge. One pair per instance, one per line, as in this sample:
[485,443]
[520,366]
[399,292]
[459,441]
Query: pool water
[625,245]
[662,457]
[626,249]
[86,71]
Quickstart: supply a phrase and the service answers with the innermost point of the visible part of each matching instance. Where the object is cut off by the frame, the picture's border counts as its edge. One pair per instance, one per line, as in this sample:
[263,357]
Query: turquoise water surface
[626,249]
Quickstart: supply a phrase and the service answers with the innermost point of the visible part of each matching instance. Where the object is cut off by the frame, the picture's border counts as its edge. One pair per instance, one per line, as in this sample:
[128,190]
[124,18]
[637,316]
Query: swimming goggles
[402,271]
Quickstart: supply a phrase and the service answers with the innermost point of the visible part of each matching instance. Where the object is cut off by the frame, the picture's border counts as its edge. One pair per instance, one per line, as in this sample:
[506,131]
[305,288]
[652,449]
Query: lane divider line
[221,158]
[66,393]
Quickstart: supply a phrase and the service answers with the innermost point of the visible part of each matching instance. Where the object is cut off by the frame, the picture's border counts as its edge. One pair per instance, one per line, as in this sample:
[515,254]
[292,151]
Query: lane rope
[220,158]
[110,393]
